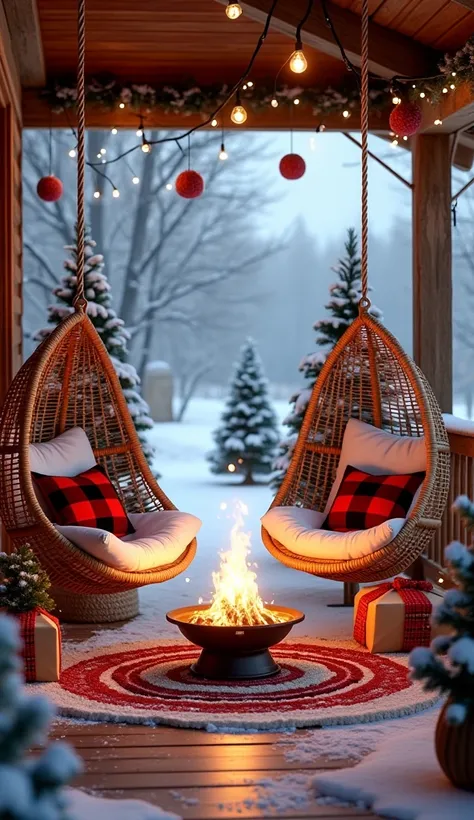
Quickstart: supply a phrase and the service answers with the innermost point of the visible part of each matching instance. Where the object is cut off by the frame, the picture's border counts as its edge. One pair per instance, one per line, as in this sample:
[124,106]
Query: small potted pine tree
[448,665]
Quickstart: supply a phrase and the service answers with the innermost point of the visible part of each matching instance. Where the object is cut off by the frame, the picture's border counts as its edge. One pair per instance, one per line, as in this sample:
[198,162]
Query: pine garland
[448,665]
[24,583]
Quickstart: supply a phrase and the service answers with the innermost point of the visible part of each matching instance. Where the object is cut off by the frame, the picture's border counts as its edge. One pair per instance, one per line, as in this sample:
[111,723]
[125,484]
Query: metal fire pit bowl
[234,652]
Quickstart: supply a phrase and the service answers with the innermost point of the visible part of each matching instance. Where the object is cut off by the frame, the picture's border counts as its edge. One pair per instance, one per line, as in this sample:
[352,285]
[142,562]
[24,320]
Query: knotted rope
[364,303]
[80,302]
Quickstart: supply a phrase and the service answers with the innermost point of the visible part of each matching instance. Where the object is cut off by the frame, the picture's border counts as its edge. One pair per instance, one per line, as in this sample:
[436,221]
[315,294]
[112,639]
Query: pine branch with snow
[109,326]
[31,788]
[24,584]
[247,436]
[448,664]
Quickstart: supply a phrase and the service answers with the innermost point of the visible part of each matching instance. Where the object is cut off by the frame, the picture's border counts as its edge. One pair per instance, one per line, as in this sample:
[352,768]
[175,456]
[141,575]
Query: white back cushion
[377,452]
[66,455]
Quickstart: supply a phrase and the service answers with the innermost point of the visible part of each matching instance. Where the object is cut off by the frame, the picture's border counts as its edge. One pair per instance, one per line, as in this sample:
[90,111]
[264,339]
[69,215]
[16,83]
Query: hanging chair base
[350,591]
[95,609]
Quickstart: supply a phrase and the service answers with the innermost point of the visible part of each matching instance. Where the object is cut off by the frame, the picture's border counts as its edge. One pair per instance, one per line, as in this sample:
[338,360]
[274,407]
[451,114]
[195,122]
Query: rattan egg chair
[367,376]
[70,381]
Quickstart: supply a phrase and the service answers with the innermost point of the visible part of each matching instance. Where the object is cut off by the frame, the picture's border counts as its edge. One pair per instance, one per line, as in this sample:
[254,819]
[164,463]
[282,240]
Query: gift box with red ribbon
[41,637]
[395,616]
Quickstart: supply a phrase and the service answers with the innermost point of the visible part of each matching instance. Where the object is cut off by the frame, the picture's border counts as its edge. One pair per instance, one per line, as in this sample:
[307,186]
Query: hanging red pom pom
[189,184]
[292,166]
[50,189]
[405,119]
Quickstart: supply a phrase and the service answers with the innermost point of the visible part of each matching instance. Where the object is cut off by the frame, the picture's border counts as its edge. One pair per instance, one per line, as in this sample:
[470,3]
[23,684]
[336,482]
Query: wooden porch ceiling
[181,41]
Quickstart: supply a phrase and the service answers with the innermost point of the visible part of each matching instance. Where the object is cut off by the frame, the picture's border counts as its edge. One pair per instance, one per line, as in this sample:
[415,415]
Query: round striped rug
[320,683]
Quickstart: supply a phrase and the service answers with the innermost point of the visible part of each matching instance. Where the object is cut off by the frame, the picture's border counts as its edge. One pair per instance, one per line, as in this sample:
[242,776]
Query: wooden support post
[432,276]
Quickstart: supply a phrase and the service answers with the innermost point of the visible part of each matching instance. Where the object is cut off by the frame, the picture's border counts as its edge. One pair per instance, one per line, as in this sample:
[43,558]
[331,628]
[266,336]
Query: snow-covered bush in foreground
[448,665]
[30,787]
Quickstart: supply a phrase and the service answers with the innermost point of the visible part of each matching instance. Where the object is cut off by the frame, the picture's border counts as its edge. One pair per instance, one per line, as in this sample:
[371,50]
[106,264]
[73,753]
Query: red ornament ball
[405,119]
[292,166]
[189,184]
[50,189]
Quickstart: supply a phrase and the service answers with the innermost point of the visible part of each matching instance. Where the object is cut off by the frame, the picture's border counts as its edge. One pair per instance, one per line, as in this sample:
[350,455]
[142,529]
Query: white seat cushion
[160,538]
[299,531]
[66,455]
[377,452]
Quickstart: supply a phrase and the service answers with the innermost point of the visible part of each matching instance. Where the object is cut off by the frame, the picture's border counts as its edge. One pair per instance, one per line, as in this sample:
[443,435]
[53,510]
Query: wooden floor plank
[104,781]
[122,740]
[167,735]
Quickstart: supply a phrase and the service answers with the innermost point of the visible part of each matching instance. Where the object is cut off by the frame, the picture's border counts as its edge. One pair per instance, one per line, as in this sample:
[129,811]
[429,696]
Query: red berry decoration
[50,189]
[189,184]
[292,166]
[405,119]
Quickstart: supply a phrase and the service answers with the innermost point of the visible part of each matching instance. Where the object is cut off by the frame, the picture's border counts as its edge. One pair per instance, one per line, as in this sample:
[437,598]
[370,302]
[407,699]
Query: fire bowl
[234,652]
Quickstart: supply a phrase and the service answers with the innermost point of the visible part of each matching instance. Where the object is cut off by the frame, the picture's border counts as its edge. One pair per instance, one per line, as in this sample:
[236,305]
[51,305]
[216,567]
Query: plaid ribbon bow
[417,625]
[27,631]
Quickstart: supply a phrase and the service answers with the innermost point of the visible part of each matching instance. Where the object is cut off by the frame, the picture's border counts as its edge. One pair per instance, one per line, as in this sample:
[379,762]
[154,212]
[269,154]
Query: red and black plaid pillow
[364,501]
[85,500]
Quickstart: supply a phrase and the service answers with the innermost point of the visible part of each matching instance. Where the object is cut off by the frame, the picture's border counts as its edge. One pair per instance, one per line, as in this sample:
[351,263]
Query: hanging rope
[364,127]
[80,302]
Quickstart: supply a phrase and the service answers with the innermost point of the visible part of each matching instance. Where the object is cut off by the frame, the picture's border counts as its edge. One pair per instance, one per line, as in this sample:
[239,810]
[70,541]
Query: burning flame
[236,600]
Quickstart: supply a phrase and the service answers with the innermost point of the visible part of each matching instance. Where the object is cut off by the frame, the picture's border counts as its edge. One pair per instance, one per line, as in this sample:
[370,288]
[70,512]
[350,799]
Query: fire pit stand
[234,652]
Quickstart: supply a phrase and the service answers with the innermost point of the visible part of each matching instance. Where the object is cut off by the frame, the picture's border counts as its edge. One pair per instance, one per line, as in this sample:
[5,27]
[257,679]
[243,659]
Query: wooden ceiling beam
[390,52]
[25,35]
[456,112]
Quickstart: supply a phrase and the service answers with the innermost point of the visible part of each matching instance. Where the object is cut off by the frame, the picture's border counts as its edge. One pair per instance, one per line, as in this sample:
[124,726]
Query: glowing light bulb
[452,86]
[453,74]
[233,10]
[214,123]
[405,139]
[116,193]
[103,151]
[238,115]
[114,131]
[223,153]
[99,156]
[169,186]
[438,122]
[296,102]
[346,114]
[96,194]
[422,95]
[394,143]
[135,180]
[121,105]
[274,103]
[445,90]
[414,85]
[396,100]
[231,468]
[139,132]
[250,84]
[72,153]
[440,580]
[146,148]
[298,62]
[245,86]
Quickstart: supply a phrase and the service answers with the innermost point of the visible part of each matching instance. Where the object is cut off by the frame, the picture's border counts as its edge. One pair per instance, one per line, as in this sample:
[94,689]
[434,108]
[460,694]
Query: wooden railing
[461,441]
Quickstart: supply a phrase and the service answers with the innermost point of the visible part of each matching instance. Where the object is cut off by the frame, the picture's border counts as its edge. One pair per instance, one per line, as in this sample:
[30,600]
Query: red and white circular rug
[321,683]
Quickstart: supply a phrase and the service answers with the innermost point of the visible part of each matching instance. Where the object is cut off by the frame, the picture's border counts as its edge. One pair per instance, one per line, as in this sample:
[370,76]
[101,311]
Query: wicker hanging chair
[367,376]
[70,381]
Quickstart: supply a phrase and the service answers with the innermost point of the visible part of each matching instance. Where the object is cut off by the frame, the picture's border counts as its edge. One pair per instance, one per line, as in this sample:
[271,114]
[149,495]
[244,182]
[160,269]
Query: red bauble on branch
[49,188]
[292,166]
[406,118]
[189,184]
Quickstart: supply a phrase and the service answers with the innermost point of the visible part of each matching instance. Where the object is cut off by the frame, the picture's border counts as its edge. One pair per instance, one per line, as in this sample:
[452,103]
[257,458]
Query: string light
[250,83]
[121,105]
[135,180]
[296,102]
[414,85]
[298,62]
[233,10]
[445,90]
[214,123]
[231,468]
[146,147]
[223,155]
[139,132]
[453,74]
[99,156]
[396,100]
[422,95]
[394,142]
[346,114]
[169,186]
[103,151]
[238,114]
[116,193]
[244,87]
[96,194]
[72,153]
[274,103]
[114,131]
[452,86]
[438,122]
[405,139]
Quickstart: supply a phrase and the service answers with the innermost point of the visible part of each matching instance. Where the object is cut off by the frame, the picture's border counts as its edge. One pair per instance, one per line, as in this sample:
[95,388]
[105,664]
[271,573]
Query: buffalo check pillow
[364,501]
[86,500]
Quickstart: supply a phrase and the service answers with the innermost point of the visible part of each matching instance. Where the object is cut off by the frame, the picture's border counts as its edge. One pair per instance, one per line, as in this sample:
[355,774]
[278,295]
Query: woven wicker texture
[95,609]
[369,377]
[70,381]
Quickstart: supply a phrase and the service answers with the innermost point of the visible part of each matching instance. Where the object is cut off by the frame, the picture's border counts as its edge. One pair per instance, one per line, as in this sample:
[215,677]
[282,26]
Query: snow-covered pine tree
[448,665]
[343,308]
[24,584]
[30,787]
[109,326]
[248,433]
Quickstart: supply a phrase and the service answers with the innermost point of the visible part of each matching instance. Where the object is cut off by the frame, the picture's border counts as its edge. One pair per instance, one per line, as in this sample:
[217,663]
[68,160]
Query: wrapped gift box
[41,636]
[392,619]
